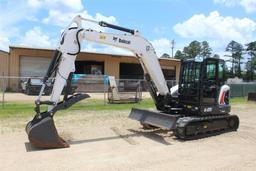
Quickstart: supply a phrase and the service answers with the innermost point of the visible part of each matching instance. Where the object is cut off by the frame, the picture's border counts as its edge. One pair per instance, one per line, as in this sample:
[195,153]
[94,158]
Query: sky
[38,23]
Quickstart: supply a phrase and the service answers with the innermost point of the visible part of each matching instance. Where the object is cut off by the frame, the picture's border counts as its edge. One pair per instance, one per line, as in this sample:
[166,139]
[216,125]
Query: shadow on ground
[152,134]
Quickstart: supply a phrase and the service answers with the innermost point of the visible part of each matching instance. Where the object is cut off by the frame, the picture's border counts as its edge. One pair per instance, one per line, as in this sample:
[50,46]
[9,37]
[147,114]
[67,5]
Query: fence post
[104,90]
[3,91]
[243,90]
[140,91]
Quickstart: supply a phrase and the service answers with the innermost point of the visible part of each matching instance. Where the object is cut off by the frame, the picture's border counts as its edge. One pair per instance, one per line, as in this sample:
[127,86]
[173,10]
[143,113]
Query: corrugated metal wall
[242,90]
[111,62]
[3,63]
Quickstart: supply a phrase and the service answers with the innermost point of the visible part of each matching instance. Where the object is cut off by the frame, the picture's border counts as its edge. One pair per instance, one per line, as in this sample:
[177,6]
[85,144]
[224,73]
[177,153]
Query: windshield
[190,80]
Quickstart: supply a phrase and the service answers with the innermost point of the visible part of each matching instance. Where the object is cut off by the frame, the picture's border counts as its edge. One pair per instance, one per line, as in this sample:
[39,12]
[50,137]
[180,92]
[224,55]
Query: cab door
[210,83]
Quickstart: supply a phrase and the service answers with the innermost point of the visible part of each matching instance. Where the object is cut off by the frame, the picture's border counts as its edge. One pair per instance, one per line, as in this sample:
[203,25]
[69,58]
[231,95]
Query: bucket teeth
[44,134]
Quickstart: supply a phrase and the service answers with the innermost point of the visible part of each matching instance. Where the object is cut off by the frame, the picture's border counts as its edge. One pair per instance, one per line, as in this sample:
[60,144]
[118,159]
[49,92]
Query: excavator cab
[202,107]
[200,85]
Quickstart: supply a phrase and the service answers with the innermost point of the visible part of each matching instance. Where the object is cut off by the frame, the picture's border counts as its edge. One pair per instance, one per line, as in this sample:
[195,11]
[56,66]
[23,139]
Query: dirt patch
[23,98]
[108,140]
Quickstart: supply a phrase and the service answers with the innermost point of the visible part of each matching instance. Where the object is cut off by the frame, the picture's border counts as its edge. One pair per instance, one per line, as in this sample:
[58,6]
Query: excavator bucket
[41,130]
[44,134]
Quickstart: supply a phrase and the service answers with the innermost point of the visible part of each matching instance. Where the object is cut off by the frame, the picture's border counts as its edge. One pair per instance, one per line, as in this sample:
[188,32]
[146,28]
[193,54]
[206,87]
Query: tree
[250,65]
[236,50]
[248,75]
[179,55]
[165,55]
[196,48]
[206,51]
[185,53]
[216,56]
[192,50]
[251,49]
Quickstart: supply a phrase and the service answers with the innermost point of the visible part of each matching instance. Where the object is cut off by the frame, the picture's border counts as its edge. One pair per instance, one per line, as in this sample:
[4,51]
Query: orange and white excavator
[197,107]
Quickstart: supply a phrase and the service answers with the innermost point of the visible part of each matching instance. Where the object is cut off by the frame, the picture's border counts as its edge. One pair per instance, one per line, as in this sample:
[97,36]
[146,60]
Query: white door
[33,66]
[114,88]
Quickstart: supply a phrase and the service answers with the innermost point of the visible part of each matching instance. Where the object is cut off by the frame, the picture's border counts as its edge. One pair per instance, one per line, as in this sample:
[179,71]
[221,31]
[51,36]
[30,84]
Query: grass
[11,110]
[237,100]
[17,110]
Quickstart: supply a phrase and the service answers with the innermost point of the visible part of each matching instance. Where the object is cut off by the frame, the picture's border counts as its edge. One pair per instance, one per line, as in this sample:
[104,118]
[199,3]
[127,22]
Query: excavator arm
[41,130]
[70,46]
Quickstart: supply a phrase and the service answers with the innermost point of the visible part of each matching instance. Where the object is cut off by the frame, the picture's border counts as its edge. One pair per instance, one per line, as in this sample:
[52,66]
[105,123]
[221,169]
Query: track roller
[189,128]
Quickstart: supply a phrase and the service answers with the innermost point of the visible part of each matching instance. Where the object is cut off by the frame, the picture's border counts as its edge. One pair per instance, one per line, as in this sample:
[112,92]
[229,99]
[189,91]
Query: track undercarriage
[187,127]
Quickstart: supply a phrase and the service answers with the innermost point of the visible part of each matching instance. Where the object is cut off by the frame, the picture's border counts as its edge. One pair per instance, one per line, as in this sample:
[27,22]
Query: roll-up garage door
[33,66]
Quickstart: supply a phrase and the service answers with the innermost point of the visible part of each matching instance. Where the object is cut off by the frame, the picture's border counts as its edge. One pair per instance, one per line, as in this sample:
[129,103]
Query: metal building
[33,62]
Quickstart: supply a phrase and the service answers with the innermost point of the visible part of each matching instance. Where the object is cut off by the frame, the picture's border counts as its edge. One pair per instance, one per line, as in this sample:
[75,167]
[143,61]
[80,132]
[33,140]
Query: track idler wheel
[43,134]
[233,123]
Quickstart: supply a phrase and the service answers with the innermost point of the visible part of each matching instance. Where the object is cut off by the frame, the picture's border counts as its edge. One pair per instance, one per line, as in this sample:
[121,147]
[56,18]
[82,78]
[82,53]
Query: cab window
[211,71]
[221,71]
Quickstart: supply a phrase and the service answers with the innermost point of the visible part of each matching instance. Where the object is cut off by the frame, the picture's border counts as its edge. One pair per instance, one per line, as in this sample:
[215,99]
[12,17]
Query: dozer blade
[44,134]
[156,119]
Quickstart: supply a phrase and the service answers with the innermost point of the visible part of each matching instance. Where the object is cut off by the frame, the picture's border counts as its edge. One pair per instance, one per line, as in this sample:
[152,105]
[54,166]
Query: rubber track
[182,123]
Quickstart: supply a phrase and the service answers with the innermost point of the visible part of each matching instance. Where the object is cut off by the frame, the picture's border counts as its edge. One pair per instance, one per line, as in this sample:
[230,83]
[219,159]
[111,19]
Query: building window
[169,74]
[89,67]
[131,71]
[96,69]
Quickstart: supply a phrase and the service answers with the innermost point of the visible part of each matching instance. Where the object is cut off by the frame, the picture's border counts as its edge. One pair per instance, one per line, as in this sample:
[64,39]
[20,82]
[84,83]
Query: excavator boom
[41,130]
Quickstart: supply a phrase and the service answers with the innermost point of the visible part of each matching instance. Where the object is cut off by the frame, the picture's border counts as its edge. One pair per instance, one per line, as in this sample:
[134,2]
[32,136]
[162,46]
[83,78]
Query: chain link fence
[26,89]
[242,89]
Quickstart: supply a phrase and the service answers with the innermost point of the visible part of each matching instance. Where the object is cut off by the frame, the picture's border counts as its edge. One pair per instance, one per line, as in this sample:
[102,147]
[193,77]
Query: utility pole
[172,46]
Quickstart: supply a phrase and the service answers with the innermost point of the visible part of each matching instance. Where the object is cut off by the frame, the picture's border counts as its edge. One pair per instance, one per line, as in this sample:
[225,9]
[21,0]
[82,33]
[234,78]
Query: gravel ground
[107,140]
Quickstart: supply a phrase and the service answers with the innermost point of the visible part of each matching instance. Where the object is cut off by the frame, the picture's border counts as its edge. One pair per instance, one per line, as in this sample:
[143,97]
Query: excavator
[197,107]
